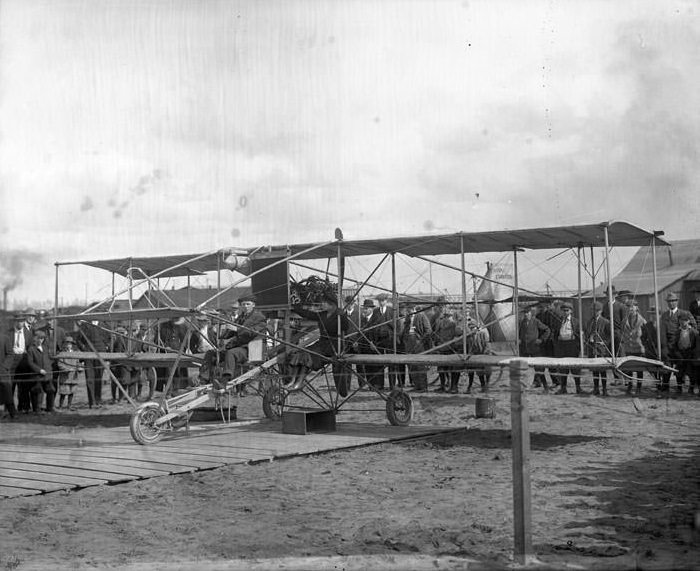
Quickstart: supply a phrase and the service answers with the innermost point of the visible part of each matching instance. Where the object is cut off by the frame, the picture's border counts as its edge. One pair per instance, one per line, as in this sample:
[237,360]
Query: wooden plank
[33,485]
[176,457]
[36,467]
[208,449]
[116,466]
[72,481]
[148,457]
[12,492]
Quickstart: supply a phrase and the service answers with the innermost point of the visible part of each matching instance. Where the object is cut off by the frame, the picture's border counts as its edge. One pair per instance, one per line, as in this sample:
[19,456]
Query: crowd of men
[554,331]
[33,379]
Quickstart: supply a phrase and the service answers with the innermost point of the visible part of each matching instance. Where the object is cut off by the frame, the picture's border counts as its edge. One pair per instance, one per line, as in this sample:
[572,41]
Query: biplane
[271,272]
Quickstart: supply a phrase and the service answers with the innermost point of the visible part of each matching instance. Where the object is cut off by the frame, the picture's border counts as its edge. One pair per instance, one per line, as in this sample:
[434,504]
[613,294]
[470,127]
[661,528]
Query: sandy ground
[612,488]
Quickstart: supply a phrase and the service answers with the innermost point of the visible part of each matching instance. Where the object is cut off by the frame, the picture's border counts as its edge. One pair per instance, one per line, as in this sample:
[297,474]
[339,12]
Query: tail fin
[499,317]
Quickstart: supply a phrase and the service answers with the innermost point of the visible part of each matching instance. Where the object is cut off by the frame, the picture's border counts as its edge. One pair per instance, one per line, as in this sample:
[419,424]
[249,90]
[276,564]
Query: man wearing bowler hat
[362,345]
[381,335]
[669,327]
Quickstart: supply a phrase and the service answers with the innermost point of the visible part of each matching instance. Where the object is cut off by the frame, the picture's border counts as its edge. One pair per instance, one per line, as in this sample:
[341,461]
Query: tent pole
[516,300]
[610,296]
[394,298]
[580,302]
[656,293]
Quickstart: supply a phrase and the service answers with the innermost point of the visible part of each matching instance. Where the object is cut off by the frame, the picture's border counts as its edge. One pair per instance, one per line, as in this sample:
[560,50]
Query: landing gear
[399,408]
[273,402]
[142,424]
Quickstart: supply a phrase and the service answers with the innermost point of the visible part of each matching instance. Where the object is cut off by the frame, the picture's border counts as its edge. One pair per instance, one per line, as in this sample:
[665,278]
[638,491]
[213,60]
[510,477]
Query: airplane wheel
[180,421]
[273,402]
[142,423]
[399,408]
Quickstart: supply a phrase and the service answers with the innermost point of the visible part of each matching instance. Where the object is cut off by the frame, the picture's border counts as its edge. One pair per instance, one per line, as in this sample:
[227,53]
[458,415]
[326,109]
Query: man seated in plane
[250,324]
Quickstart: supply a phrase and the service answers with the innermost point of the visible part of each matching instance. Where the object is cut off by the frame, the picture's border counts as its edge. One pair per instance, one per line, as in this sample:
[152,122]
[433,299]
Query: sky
[152,127]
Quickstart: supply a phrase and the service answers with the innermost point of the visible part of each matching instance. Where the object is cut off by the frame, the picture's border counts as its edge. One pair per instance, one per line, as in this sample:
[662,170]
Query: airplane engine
[235,262]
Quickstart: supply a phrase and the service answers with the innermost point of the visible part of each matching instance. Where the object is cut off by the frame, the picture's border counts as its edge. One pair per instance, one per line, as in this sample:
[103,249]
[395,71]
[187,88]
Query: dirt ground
[613,487]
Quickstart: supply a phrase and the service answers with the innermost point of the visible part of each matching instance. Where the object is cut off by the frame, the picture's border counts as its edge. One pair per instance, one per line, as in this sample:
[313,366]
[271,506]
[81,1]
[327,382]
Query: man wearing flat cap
[566,344]
[250,324]
[669,326]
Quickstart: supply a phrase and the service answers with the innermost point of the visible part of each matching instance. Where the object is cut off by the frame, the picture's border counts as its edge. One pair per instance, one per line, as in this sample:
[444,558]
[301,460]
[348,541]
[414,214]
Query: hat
[597,306]
[671,297]
[623,293]
[382,296]
[42,324]
[349,298]
[368,303]
[68,339]
[18,317]
[249,297]
[29,312]
[567,305]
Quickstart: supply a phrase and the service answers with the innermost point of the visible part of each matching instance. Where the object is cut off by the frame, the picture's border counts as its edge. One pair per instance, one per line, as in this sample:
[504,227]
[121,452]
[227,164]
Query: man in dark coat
[532,334]
[7,358]
[40,378]
[332,325]
[361,343]
[551,318]
[597,335]
[249,325]
[94,370]
[416,339]
[669,326]
[381,335]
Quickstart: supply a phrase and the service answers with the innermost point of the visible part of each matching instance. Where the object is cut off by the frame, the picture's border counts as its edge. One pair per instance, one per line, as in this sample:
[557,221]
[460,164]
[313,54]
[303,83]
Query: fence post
[522,517]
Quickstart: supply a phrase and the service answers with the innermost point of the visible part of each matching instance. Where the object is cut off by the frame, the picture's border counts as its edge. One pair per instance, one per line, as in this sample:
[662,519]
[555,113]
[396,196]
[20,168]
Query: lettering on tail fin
[498,316]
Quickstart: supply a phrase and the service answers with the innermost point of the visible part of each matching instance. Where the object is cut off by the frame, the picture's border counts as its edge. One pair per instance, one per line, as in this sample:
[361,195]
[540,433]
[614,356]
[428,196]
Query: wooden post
[521,463]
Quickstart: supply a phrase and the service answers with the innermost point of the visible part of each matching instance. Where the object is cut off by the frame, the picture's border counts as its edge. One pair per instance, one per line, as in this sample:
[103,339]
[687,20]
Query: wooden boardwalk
[47,462]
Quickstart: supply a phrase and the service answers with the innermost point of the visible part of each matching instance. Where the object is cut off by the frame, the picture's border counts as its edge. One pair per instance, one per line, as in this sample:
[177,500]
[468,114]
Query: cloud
[16,264]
